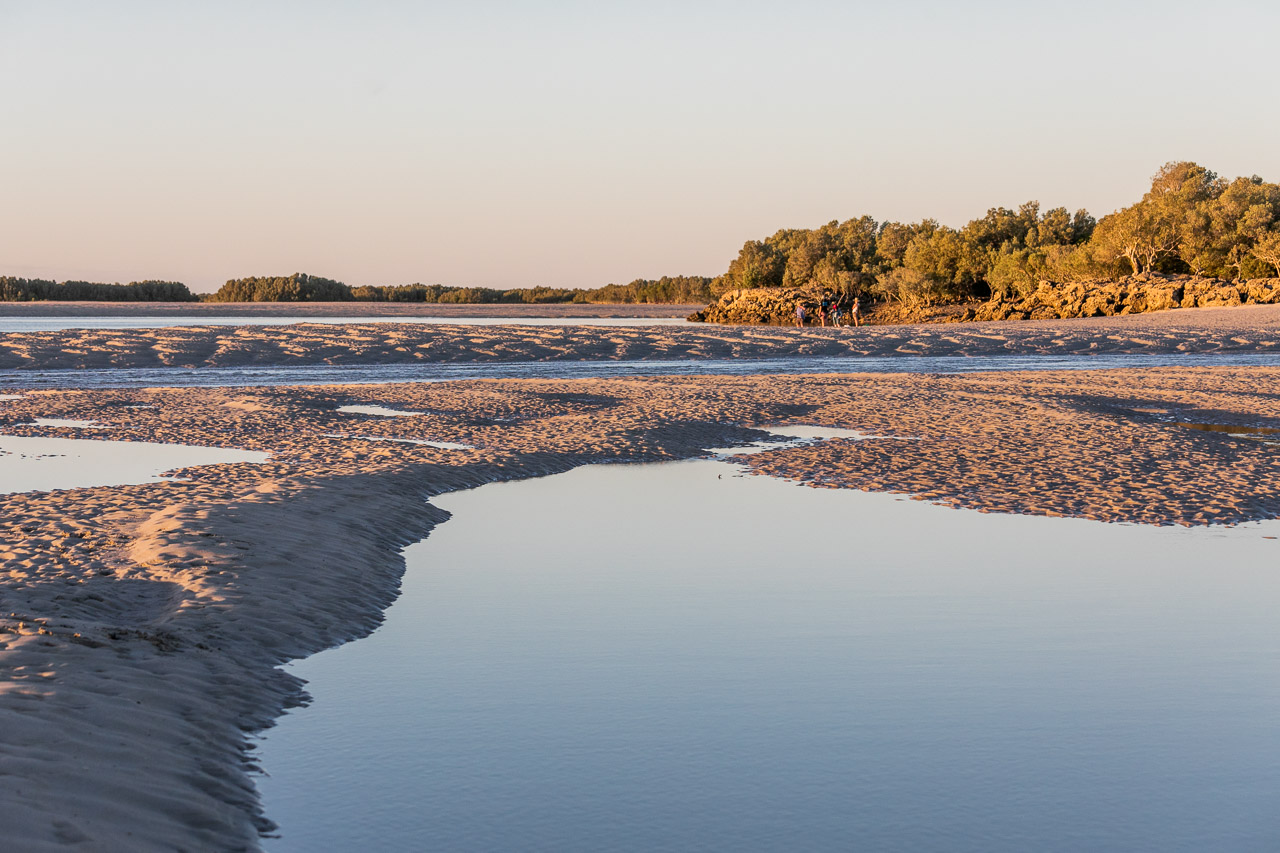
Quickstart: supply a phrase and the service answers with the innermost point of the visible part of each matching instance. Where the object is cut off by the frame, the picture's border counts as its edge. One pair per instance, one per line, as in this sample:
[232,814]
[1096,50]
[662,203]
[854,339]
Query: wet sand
[1202,330]
[141,626]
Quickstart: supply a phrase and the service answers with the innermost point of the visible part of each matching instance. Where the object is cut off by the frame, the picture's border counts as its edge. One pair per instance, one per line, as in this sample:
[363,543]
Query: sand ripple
[1205,330]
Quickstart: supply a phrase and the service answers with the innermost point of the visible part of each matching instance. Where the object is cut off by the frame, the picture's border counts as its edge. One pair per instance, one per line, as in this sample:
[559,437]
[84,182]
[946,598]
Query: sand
[141,627]
[1202,330]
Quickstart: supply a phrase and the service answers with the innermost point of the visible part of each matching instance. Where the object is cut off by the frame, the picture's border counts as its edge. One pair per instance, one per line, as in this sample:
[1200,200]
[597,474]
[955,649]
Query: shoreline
[303,310]
[142,627]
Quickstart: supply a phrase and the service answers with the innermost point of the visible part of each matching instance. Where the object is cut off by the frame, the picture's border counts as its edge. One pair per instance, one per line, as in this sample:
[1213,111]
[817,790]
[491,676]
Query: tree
[33,290]
[1018,273]
[948,259]
[909,287]
[893,239]
[1140,234]
[1267,249]
[838,255]
[757,265]
[298,287]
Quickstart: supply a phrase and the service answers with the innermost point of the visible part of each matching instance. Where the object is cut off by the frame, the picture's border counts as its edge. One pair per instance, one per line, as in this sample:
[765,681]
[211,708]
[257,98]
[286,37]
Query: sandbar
[1248,329]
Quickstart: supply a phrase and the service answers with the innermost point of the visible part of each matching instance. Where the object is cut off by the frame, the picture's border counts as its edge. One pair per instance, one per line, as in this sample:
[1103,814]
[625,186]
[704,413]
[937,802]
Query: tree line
[14,289]
[1190,221]
[301,287]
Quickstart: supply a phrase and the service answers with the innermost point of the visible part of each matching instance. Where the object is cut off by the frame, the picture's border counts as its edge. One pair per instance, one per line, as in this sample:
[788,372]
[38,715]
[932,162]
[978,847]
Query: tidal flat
[143,626]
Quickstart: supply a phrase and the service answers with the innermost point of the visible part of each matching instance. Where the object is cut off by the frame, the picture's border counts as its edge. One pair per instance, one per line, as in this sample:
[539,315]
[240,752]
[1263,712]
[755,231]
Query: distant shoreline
[337,309]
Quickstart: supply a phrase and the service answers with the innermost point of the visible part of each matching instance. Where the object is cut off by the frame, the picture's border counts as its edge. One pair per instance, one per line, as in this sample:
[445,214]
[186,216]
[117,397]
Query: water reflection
[796,435]
[439,445]
[70,423]
[378,411]
[29,464]
[1267,435]
[656,658]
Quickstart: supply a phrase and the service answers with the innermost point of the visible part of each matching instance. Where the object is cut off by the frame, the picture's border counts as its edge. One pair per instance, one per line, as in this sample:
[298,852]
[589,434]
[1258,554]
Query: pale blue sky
[572,144]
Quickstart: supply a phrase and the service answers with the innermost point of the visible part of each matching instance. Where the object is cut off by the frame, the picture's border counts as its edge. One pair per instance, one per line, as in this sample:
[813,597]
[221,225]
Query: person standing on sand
[855,311]
[799,314]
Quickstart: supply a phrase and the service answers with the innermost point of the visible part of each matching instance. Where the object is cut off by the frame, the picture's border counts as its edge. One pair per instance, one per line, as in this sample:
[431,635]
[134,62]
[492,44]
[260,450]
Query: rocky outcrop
[759,306]
[1133,295]
[776,306]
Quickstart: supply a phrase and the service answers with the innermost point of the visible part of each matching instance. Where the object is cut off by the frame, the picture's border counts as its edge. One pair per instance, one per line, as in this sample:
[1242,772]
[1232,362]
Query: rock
[1049,301]
[761,306]
[1261,291]
[1163,298]
[1132,295]
[1221,297]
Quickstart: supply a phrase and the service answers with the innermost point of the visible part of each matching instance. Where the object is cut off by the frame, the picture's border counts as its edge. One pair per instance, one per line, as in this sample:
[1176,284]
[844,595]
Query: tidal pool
[378,411]
[31,464]
[439,445]
[677,657]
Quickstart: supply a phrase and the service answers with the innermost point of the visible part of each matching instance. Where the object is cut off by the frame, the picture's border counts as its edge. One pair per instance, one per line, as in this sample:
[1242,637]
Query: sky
[510,144]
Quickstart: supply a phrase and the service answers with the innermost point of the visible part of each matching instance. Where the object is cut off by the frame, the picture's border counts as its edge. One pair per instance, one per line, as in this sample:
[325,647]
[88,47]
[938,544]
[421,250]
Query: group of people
[833,308]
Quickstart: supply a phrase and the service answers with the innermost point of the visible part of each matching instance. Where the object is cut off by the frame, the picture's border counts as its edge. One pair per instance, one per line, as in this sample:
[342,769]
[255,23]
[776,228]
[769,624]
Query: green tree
[298,287]
[1267,249]
[893,239]
[757,265]
[1141,234]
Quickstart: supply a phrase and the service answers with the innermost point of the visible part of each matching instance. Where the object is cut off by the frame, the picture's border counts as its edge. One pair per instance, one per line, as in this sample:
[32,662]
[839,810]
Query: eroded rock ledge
[776,306]
[1135,295]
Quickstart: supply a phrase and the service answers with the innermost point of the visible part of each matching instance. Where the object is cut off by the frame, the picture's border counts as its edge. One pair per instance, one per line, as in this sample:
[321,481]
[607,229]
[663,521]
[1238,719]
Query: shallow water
[53,324]
[425,442]
[29,464]
[674,657]
[792,435]
[379,411]
[366,374]
[1266,435]
[70,423]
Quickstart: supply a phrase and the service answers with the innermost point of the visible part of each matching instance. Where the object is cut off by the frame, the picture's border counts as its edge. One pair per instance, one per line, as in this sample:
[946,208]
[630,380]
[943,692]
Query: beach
[143,626]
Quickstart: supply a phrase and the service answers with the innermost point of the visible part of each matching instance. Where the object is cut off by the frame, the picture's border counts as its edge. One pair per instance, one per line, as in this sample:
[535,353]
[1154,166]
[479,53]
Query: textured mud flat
[141,626]
[1248,329]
